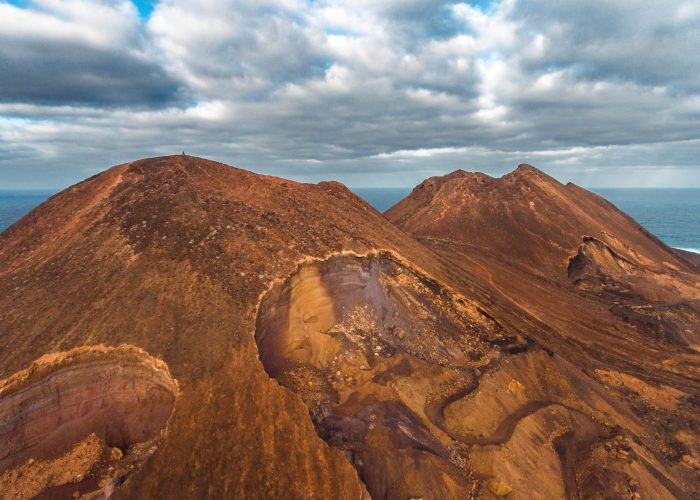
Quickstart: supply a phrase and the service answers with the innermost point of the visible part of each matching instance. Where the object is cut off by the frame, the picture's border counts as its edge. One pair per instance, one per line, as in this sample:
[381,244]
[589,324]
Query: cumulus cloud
[363,91]
[79,52]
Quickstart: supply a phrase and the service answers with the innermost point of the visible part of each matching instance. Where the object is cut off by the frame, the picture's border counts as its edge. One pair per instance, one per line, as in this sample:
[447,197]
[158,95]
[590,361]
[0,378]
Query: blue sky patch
[145,7]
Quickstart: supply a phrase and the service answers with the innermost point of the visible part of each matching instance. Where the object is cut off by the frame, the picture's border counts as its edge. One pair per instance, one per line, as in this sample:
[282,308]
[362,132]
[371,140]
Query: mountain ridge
[293,342]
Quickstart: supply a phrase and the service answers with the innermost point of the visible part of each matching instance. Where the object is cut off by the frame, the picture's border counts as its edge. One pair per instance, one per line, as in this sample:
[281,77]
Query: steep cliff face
[215,333]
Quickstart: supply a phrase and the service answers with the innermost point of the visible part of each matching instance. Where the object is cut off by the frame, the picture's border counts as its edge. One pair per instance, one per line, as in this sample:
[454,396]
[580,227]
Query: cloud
[363,91]
[79,52]
[647,43]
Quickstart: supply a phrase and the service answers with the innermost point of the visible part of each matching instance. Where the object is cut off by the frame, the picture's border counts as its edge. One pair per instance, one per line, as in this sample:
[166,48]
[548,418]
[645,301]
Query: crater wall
[83,410]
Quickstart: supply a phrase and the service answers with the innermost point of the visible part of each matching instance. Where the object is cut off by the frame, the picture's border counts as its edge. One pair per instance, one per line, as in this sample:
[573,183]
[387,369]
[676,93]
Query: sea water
[16,204]
[672,215]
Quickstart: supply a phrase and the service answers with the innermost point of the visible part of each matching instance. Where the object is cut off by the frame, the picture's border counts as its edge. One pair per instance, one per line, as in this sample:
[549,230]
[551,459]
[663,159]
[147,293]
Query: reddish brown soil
[171,255]
[607,295]
[486,345]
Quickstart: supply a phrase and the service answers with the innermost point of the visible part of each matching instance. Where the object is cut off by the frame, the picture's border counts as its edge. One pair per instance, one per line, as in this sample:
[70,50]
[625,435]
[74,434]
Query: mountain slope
[526,205]
[620,304]
[175,327]
[529,222]
[170,257]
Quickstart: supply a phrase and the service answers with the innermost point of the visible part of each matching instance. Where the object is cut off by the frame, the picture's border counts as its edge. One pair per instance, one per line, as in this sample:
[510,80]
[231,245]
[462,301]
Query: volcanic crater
[400,373]
[370,345]
[81,421]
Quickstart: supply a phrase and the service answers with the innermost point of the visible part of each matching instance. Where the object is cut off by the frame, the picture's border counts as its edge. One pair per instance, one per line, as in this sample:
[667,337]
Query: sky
[370,93]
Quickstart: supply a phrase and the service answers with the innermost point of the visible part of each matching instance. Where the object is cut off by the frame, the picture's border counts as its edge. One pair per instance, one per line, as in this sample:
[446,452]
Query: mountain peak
[527,168]
[527,171]
[522,171]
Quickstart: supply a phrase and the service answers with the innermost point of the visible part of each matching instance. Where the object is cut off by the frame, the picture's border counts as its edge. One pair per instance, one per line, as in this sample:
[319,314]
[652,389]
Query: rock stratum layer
[178,328]
[102,409]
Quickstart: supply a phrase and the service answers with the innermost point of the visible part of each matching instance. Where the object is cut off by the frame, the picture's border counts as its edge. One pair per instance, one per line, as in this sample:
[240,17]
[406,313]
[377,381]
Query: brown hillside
[620,304]
[178,328]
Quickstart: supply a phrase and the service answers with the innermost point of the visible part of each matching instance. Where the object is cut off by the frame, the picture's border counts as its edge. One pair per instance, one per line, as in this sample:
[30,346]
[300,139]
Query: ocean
[16,204]
[673,215]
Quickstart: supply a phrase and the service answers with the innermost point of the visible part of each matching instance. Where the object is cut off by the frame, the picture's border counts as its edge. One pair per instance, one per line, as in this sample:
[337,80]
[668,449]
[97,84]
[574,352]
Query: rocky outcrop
[660,303]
